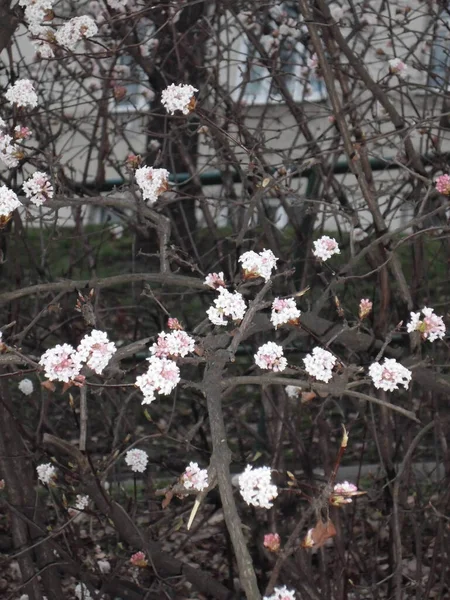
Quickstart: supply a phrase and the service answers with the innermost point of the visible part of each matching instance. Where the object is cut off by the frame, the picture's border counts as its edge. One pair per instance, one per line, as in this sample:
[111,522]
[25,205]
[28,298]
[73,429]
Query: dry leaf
[318,536]
[167,499]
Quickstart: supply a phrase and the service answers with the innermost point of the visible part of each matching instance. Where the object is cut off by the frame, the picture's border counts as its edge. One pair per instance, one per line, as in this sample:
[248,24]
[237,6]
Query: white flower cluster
[398,67]
[10,153]
[38,188]
[284,311]
[22,93]
[389,375]
[215,280]
[117,4]
[293,391]
[35,12]
[64,363]
[61,363]
[74,30]
[195,478]
[256,486]
[179,97]
[162,376]
[26,387]
[137,460]
[152,182]
[81,502]
[96,350]
[270,356]
[46,473]
[176,343]
[325,247]
[8,201]
[228,304]
[281,593]
[258,265]
[320,364]
[432,327]
[82,592]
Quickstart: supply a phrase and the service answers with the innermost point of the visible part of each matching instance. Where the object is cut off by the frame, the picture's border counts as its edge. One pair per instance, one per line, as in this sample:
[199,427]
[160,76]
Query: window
[279,34]
[440,55]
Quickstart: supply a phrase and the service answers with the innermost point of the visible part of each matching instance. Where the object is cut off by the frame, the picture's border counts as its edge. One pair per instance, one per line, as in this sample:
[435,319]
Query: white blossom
[179,97]
[320,364]
[270,356]
[8,201]
[162,376]
[69,34]
[258,265]
[389,375]
[256,486]
[10,153]
[195,478]
[96,350]
[38,188]
[284,311]
[431,327]
[398,67]
[46,473]
[82,502]
[325,247]
[215,280]
[281,593]
[293,391]
[104,566]
[26,387]
[152,182]
[118,5]
[228,304]
[82,592]
[22,93]
[137,460]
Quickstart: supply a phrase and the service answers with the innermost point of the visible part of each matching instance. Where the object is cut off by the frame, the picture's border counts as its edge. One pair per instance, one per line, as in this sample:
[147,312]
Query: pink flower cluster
[270,356]
[432,327]
[256,486]
[195,478]
[325,247]
[152,182]
[179,97]
[365,308]
[8,201]
[22,93]
[320,364]
[398,67]
[162,376]
[10,153]
[281,593]
[272,542]
[343,492]
[258,265]
[228,304]
[443,185]
[389,375]
[138,560]
[176,343]
[38,188]
[64,363]
[284,311]
[96,350]
[137,460]
[215,280]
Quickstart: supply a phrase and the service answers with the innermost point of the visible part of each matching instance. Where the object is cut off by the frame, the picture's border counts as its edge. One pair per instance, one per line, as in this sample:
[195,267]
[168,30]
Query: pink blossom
[162,376]
[432,327]
[174,324]
[195,478]
[325,247]
[398,67]
[272,542]
[96,350]
[61,363]
[270,356]
[320,364]
[138,560]
[177,343]
[365,308]
[443,185]
[389,375]
[8,201]
[215,280]
[343,492]
[284,311]
[258,265]
[22,93]
[38,188]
